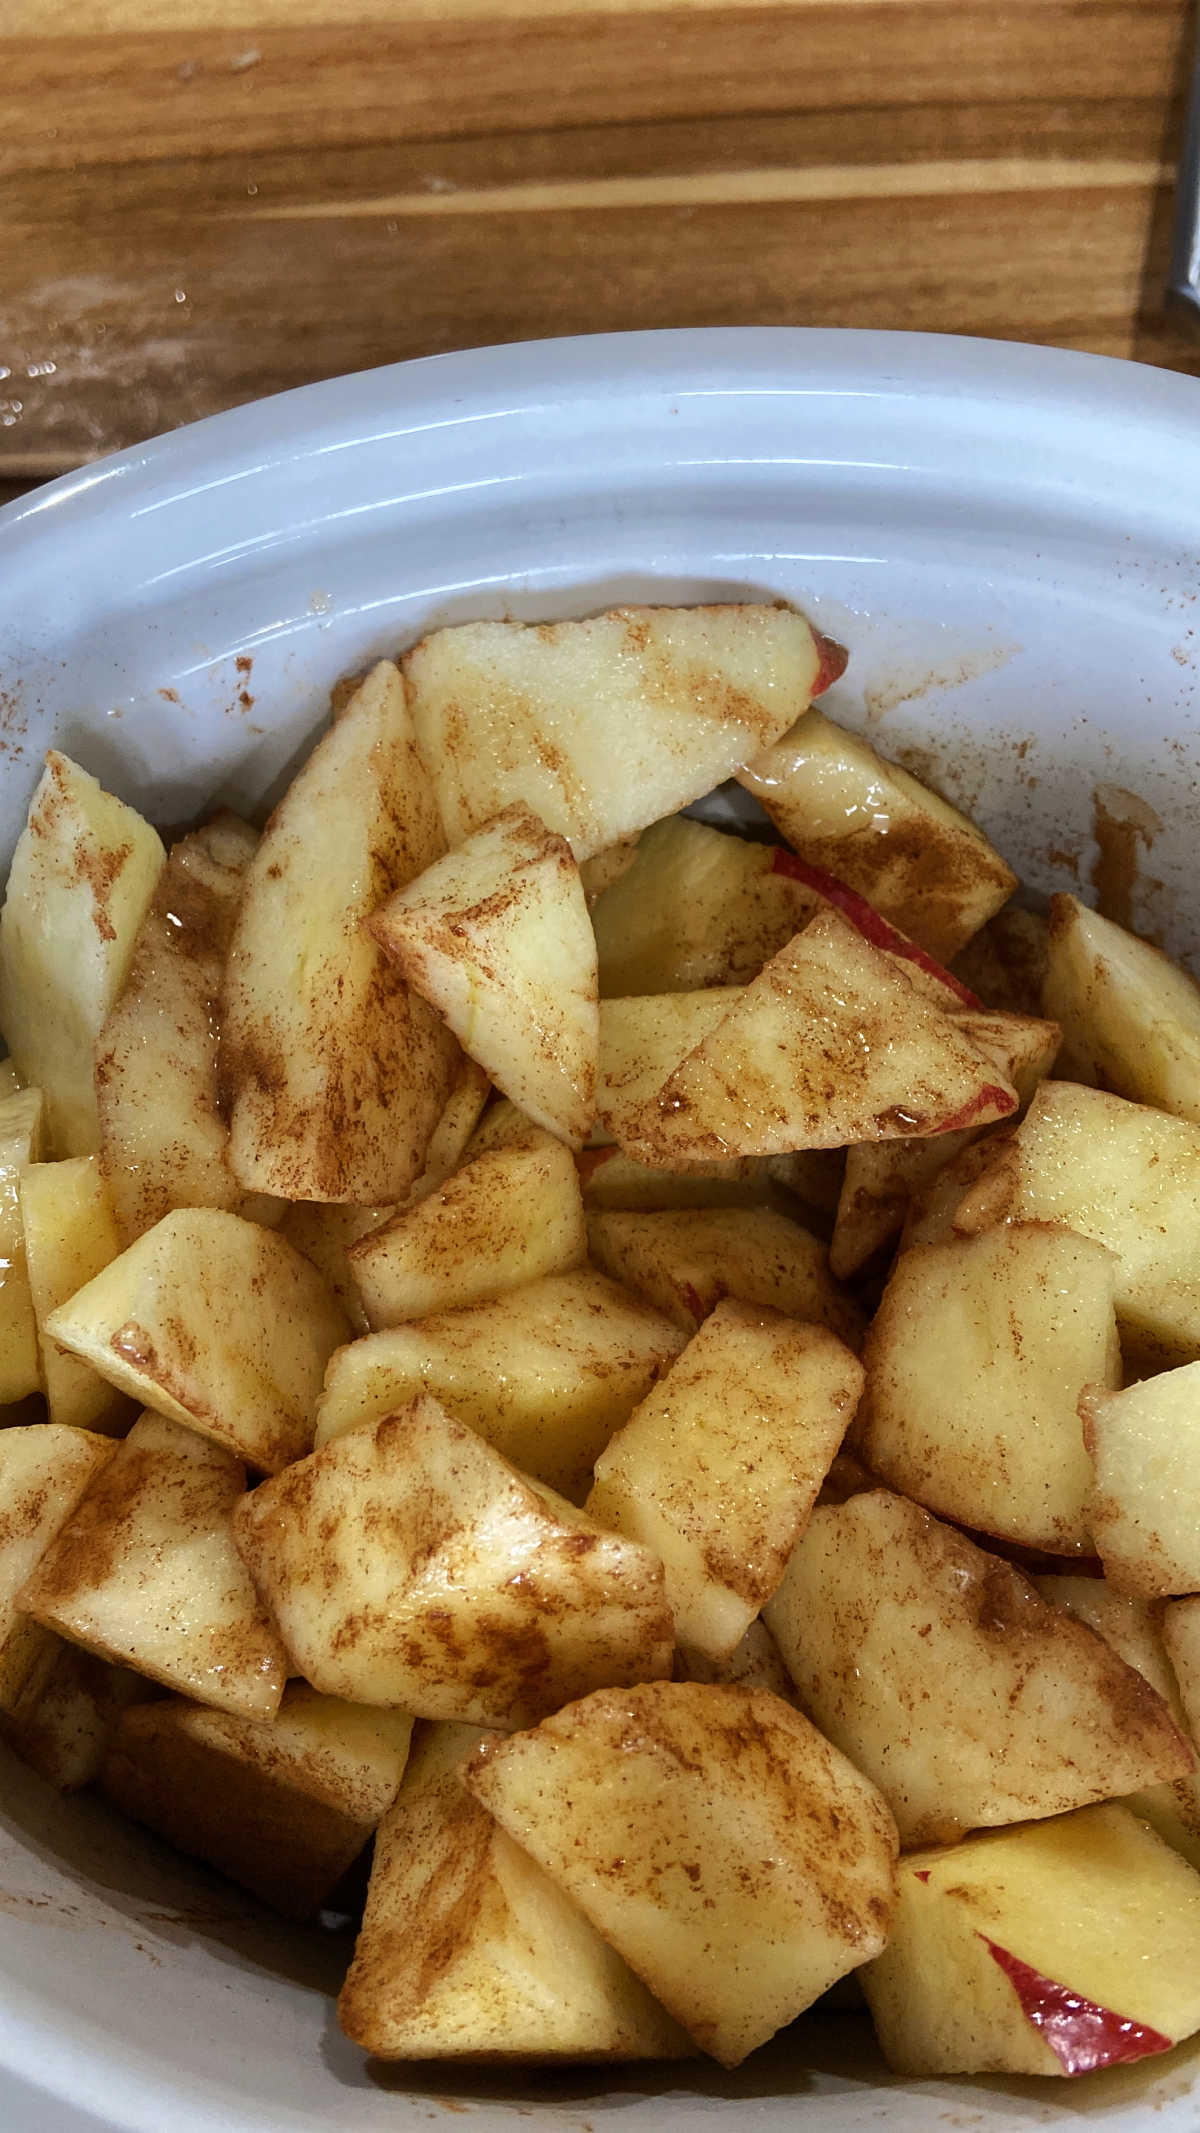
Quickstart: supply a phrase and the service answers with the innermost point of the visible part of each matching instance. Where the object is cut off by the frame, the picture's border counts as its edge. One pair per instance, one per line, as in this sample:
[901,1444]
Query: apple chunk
[1135,1630]
[1125,1175]
[1145,1507]
[281,1805]
[335,1071]
[492,1599]
[642,1041]
[882,1178]
[496,936]
[1181,1639]
[755,1663]
[215,1323]
[1130,1017]
[736,1860]
[82,875]
[1055,1948]
[508,1217]
[469,1951]
[831,1043]
[70,1235]
[965,1696]
[810,1179]
[64,1731]
[21,1114]
[1005,962]
[684,1260]
[604,725]
[698,907]
[144,1573]
[44,1469]
[720,1466]
[844,806]
[322,1231]
[164,1141]
[545,1373]
[976,1361]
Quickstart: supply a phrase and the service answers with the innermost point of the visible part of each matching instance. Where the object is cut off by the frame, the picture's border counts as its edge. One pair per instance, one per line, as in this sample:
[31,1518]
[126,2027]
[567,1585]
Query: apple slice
[1180,1621]
[1130,1017]
[44,1469]
[452,1134]
[496,936]
[70,1235]
[493,1599]
[1056,1948]
[830,1044]
[21,1133]
[684,1260]
[82,876]
[335,1071]
[605,725]
[611,1179]
[144,1573]
[282,1805]
[545,1373]
[509,1217]
[719,1467]
[322,1231]
[756,1662]
[1134,1629]
[65,1731]
[882,1178]
[976,1360]
[736,1861]
[932,979]
[605,868]
[1005,962]
[164,1141]
[947,1679]
[469,1951]
[698,907]
[1145,1507]
[846,807]
[643,1040]
[502,1125]
[215,1323]
[805,1183]
[1125,1175]
[932,1211]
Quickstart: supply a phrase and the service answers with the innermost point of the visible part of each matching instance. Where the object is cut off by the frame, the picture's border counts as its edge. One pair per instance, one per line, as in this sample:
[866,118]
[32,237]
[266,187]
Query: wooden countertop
[194,216]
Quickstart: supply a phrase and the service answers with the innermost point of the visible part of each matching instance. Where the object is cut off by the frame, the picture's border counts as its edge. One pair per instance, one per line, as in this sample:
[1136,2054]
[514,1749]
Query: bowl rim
[429,391]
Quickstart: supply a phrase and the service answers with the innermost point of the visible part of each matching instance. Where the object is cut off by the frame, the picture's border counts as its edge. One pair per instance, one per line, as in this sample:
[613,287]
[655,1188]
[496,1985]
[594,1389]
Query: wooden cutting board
[286,189]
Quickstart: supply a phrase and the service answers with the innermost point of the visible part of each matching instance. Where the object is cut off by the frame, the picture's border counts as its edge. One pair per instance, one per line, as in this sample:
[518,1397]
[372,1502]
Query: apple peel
[871,923]
[1082,2035]
[833,660]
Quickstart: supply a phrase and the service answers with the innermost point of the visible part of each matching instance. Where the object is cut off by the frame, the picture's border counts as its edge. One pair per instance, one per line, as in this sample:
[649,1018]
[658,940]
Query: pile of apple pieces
[568,1451]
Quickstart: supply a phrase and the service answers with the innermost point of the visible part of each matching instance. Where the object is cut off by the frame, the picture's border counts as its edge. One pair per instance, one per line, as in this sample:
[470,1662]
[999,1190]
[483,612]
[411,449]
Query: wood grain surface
[196,215]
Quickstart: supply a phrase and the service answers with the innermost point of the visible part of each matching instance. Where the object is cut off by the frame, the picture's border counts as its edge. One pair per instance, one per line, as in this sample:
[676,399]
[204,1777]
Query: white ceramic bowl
[1006,538]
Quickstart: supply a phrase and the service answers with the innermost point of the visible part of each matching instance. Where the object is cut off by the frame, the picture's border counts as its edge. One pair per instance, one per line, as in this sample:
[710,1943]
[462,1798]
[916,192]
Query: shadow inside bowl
[74,1861]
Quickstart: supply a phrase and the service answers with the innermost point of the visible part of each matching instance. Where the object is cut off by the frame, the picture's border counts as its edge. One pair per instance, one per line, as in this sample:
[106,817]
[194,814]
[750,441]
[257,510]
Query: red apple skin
[1081,2035]
[992,1099]
[834,659]
[872,925]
